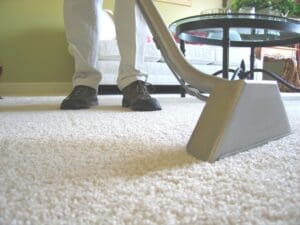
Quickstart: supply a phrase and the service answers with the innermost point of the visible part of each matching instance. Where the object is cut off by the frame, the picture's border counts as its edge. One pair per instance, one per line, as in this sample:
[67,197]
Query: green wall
[32,41]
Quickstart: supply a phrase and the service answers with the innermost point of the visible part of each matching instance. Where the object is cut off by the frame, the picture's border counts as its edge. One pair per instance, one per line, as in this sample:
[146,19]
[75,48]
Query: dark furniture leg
[226,44]
[155,89]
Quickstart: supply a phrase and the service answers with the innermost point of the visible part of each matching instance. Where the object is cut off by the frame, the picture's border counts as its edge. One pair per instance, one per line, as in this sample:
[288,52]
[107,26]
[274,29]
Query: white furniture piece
[203,57]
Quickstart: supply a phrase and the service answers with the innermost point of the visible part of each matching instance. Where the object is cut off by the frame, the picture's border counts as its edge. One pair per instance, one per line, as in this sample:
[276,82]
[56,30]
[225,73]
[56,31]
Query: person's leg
[131,30]
[81,20]
[131,37]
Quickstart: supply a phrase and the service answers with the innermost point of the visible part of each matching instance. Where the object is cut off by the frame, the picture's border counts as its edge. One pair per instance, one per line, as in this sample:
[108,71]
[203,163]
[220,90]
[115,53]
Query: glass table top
[243,29]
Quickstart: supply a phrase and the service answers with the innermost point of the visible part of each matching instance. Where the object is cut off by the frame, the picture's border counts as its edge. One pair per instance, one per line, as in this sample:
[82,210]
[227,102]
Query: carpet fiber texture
[109,165]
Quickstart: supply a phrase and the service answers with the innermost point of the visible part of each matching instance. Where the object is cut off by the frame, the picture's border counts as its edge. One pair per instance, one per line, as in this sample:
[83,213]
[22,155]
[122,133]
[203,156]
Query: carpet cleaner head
[238,115]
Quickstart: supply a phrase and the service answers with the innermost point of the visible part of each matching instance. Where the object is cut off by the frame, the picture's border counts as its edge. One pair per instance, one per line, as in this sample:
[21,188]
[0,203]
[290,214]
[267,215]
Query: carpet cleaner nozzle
[238,115]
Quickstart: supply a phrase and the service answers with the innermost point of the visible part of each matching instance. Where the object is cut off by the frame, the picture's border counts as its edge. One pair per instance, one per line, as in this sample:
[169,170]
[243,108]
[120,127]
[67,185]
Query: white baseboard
[35,89]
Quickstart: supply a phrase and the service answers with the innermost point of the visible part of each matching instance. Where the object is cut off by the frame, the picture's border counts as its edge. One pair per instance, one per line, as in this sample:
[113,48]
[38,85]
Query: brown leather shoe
[136,96]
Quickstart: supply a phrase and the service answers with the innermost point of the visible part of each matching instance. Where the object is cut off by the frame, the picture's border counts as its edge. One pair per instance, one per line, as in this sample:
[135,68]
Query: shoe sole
[142,105]
[66,105]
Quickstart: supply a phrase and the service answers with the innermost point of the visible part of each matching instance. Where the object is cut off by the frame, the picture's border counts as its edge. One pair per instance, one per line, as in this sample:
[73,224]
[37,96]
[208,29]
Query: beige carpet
[108,165]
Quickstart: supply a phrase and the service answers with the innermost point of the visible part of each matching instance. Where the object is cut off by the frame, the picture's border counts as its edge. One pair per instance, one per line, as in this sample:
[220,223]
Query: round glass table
[237,30]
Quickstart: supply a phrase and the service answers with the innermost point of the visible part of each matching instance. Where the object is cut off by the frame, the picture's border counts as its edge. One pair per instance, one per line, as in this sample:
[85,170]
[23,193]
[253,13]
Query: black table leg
[252,57]
[226,44]
[182,47]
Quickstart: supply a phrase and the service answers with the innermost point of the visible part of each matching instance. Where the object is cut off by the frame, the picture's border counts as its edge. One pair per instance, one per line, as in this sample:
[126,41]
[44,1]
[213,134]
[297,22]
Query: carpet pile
[109,165]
